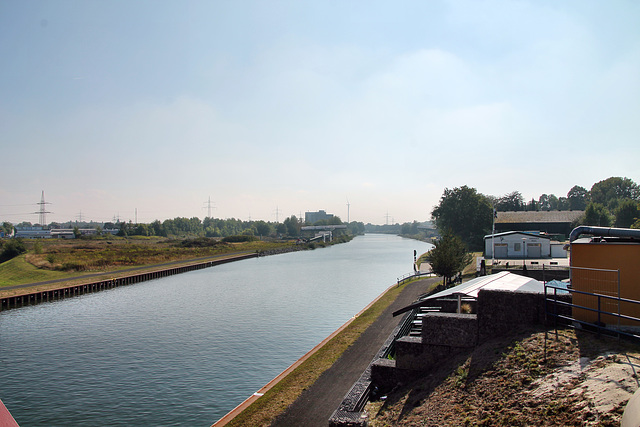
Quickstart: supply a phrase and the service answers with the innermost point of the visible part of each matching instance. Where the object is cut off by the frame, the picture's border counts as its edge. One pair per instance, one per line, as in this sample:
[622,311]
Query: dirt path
[317,403]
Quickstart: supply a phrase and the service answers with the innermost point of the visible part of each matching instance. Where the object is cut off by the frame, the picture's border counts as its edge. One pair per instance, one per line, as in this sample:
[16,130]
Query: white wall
[516,247]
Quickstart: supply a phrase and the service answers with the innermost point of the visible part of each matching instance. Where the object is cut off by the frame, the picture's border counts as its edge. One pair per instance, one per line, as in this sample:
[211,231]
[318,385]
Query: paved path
[315,405]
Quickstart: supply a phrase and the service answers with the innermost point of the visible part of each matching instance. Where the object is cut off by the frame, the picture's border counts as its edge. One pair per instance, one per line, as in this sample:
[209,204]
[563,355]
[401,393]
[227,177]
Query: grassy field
[69,259]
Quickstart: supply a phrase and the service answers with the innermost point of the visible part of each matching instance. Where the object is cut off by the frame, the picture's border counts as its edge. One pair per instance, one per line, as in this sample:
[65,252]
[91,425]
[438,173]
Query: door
[534,250]
[501,250]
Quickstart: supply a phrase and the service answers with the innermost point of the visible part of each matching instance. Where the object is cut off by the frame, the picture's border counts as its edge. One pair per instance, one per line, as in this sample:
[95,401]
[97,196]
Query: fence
[413,275]
[595,304]
[599,291]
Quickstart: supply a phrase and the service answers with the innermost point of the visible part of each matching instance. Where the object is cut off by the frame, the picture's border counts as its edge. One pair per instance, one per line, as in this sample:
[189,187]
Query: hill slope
[585,380]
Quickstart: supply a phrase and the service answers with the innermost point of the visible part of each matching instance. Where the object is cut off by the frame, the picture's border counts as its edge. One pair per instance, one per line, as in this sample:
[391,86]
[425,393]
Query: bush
[238,239]
[200,242]
[12,249]
[73,266]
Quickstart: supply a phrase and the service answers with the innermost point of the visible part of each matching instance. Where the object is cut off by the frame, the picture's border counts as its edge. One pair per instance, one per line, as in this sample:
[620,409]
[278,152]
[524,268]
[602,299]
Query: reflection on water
[186,349]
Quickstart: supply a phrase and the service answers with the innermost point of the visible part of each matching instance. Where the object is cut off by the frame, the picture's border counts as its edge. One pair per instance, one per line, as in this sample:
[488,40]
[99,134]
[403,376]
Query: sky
[365,109]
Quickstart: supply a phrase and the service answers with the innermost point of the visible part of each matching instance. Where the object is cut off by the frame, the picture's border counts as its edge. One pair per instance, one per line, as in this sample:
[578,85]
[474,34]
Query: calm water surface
[187,349]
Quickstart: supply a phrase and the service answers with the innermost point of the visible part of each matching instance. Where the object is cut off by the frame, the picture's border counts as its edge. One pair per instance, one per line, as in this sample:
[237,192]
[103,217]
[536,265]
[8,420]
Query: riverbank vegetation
[55,259]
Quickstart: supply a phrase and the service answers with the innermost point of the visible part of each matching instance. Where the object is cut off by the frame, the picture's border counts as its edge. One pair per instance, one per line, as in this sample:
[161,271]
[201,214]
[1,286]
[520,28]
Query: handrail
[598,325]
[409,276]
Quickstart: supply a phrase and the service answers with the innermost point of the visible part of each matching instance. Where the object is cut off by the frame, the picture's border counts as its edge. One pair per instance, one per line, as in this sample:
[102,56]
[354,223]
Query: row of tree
[609,193]
[209,227]
[467,213]
[216,227]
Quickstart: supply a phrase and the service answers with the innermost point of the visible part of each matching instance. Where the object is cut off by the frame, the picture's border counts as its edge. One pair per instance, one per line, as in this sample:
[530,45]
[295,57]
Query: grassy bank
[68,259]
[275,401]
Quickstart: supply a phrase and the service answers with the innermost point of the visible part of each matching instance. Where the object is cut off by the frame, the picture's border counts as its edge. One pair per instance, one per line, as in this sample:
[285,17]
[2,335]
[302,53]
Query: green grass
[17,271]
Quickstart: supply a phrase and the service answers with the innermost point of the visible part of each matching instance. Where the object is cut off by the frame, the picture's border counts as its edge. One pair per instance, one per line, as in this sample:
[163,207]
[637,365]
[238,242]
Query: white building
[518,245]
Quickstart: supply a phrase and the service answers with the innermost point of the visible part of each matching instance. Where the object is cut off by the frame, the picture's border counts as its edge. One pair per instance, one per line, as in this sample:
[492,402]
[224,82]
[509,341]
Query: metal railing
[598,326]
[412,275]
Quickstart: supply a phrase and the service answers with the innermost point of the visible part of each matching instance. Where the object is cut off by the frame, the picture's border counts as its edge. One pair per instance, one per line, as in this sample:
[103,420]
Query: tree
[610,190]
[292,225]
[554,202]
[577,197]
[548,202]
[7,227]
[598,215]
[449,257]
[510,202]
[466,213]
[563,203]
[356,228]
[627,212]
[11,249]
[263,228]
[543,203]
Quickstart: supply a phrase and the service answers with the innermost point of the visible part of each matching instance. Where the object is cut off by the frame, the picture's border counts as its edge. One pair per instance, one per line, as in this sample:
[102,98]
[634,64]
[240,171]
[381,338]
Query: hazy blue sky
[113,106]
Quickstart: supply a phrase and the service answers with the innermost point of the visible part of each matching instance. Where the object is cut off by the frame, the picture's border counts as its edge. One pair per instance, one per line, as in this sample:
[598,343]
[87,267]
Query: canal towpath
[315,405]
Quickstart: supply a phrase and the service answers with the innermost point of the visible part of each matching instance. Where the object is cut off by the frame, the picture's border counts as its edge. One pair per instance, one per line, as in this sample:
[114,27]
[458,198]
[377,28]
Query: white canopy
[504,281]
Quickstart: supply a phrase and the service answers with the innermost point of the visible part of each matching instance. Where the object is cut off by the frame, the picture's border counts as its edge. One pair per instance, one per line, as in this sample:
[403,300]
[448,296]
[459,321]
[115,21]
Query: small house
[517,245]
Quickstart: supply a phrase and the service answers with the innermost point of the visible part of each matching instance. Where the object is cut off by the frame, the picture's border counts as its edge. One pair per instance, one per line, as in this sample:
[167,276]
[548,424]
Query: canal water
[186,349]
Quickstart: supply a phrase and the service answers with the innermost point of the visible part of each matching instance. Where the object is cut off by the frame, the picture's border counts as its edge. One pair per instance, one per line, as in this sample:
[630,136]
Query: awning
[503,281]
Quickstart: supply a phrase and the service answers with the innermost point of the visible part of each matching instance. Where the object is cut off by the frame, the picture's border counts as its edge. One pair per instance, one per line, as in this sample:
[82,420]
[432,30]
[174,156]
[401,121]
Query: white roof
[503,281]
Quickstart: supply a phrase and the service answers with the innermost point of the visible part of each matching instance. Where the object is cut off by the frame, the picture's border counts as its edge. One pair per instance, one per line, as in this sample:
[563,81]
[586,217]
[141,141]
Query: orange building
[606,264]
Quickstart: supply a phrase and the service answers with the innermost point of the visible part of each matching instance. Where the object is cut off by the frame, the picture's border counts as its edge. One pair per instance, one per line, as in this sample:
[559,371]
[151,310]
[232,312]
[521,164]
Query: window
[517,247]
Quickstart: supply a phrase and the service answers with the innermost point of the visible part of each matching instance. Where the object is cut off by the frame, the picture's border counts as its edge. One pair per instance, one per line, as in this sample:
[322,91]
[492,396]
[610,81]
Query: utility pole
[209,207]
[277,214]
[42,218]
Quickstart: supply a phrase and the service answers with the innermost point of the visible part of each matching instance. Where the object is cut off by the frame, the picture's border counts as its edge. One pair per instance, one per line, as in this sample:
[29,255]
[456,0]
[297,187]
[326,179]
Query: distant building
[57,233]
[32,233]
[558,223]
[313,217]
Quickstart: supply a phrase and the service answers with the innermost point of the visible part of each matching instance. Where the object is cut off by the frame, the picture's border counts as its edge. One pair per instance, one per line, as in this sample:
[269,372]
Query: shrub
[238,239]
[72,266]
[200,242]
[12,249]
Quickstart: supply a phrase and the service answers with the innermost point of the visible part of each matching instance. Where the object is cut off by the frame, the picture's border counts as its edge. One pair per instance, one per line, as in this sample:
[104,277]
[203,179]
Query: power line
[42,218]
[209,207]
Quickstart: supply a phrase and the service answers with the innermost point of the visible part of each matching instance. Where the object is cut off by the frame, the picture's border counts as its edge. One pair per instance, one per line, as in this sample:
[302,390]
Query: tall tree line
[468,214]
